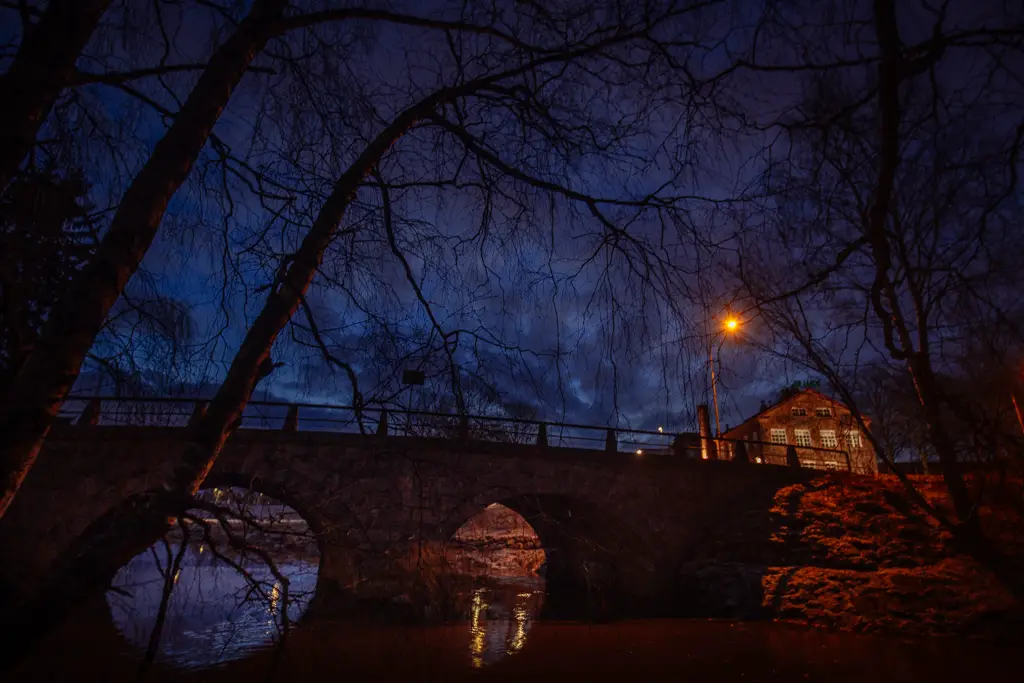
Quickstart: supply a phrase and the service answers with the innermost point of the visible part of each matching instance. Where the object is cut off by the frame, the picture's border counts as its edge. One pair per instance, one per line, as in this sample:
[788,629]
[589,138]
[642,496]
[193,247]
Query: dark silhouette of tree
[43,66]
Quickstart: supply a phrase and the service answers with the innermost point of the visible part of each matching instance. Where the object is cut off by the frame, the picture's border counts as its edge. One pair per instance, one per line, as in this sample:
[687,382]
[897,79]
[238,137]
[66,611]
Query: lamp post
[731,325]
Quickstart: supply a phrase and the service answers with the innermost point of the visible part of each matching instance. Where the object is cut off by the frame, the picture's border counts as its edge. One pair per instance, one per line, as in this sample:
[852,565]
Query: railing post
[198,413]
[792,459]
[382,423]
[291,419]
[542,435]
[849,462]
[464,427]
[739,452]
[91,413]
[611,444]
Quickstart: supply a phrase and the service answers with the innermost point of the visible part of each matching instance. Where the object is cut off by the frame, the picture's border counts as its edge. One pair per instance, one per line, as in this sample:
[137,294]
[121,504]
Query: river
[228,616]
[497,637]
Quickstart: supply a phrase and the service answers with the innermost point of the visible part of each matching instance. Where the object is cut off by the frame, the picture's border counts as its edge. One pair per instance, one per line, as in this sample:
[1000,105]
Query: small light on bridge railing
[758,460]
[660,430]
[639,451]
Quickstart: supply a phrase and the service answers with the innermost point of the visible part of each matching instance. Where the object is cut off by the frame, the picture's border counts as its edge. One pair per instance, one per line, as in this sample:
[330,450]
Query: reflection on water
[215,613]
[227,589]
[500,619]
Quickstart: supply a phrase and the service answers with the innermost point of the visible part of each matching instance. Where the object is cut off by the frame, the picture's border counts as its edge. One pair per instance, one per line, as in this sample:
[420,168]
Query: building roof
[783,401]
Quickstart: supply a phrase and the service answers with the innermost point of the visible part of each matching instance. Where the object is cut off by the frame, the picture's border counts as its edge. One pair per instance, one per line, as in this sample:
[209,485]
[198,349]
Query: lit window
[798,412]
[823,412]
[779,436]
[853,439]
[803,437]
[828,438]
[831,465]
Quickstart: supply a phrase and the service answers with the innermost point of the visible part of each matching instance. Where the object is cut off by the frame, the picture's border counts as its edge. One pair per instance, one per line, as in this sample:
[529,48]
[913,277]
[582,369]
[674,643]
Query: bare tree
[895,183]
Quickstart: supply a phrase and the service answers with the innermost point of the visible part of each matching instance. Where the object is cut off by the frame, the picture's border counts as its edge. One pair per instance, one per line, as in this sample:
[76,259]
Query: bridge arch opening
[232,575]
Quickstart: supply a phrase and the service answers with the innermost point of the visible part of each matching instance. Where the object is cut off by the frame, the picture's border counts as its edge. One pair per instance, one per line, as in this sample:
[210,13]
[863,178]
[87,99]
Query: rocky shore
[850,553]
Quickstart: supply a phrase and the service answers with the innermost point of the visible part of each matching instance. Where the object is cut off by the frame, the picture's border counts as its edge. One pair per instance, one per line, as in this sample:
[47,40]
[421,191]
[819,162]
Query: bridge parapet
[393,422]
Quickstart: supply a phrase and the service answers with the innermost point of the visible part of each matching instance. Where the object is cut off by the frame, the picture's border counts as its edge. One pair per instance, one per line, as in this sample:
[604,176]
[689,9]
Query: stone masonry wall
[611,524]
[621,534]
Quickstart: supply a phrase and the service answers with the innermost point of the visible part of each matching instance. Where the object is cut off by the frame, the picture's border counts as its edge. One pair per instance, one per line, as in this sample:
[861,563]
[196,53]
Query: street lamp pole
[731,324]
[714,384]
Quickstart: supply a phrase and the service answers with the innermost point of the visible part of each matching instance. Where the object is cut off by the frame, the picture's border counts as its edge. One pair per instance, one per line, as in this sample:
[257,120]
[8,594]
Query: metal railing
[385,421]
[280,415]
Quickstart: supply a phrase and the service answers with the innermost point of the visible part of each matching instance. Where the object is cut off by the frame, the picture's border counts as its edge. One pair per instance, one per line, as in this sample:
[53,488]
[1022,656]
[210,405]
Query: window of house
[779,436]
[828,438]
[803,437]
[823,412]
[853,439]
[831,465]
[798,412]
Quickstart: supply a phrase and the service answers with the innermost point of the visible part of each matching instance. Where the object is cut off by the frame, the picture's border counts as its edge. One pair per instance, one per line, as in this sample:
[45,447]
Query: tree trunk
[42,68]
[50,371]
[83,572]
[226,408]
[952,467]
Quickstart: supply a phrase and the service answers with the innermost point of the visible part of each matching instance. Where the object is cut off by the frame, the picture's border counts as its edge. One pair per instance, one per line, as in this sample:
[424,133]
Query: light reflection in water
[499,622]
[476,631]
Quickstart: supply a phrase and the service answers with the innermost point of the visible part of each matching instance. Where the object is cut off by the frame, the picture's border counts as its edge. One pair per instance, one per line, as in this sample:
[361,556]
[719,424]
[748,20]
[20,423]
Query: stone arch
[578,570]
[122,534]
[277,490]
[276,583]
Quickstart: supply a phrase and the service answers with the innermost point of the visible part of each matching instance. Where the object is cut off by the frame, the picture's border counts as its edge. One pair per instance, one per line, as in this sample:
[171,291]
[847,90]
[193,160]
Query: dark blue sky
[550,313]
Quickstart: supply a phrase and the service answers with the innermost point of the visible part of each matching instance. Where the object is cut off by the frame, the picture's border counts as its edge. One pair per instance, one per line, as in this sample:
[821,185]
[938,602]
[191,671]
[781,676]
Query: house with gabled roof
[822,430]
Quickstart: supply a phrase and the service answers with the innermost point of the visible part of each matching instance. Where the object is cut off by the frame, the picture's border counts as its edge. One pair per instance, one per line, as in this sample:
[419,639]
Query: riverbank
[851,553]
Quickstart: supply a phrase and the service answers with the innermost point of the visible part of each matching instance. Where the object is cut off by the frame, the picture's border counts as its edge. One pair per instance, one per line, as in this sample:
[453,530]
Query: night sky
[550,317]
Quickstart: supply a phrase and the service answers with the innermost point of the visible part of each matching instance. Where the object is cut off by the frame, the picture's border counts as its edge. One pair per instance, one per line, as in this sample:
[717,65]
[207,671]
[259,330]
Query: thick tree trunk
[226,408]
[42,68]
[83,572]
[47,376]
[952,467]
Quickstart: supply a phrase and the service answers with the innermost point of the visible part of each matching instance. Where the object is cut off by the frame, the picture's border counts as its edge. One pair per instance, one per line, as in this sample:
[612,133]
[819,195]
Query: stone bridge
[616,527]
